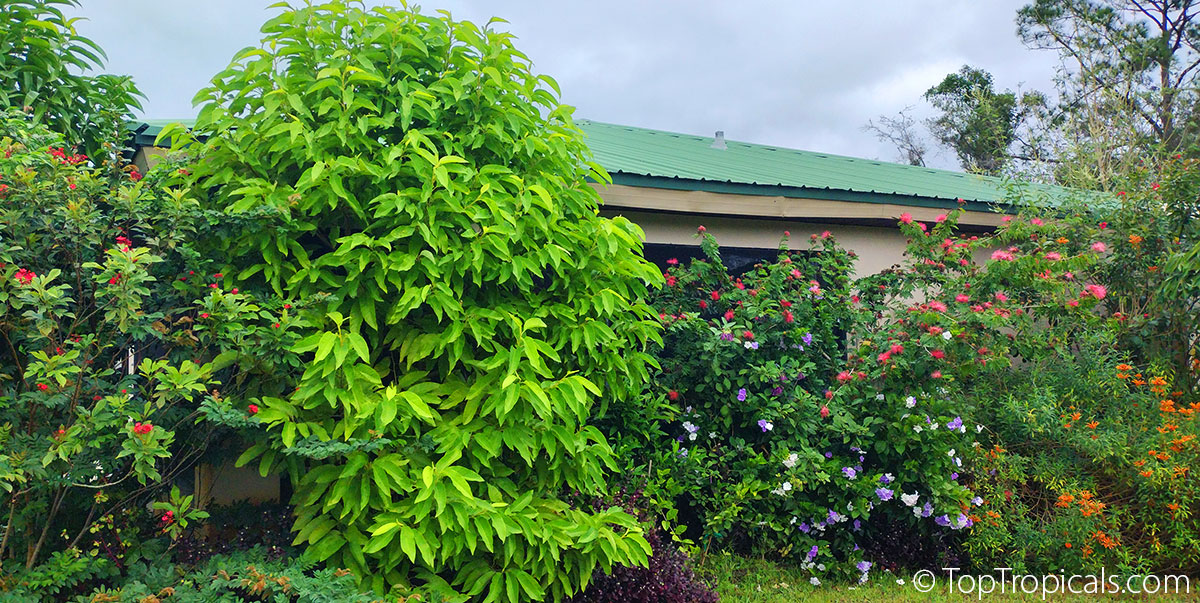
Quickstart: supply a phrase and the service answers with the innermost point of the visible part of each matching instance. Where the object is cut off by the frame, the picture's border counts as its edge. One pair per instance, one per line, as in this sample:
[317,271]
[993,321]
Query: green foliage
[430,192]
[104,371]
[41,60]
[758,427]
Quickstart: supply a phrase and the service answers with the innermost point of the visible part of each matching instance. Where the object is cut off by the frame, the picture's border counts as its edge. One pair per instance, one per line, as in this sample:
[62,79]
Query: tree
[42,58]
[470,306]
[1134,60]
[983,126]
[900,131]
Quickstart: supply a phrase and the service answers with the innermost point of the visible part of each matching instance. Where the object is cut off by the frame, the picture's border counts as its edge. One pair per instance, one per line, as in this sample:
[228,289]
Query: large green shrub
[43,65]
[432,190]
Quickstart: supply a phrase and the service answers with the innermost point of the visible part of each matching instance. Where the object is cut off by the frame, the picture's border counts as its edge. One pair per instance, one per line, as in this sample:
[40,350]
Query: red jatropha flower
[939,354]
[715,295]
[253,409]
[729,315]
[673,395]
[906,218]
[142,428]
[24,276]
[275,326]
[204,315]
[114,280]
[703,305]
[43,386]
[168,517]
[747,335]
[824,411]
[135,175]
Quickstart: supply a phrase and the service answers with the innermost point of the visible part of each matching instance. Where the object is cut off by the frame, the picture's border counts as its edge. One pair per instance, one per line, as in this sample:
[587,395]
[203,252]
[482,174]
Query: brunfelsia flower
[791,460]
[741,395]
[884,494]
[863,566]
[943,520]
[909,499]
[849,472]
[807,339]
[910,402]
[886,478]
[812,553]
[765,425]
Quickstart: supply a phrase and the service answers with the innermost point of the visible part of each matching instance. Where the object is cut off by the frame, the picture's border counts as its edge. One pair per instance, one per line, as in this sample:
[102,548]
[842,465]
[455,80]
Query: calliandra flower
[1053,256]
[939,354]
[906,218]
[1099,247]
[941,218]
[824,411]
[937,306]
[1097,291]
[1002,255]
[1036,222]
[1001,297]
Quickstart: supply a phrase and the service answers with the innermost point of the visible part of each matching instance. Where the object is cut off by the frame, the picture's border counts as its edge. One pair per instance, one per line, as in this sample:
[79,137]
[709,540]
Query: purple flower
[954,475]
[955,424]
[727,336]
[864,566]
[858,468]
[807,339]
[857,525]
[683,453]
[927,510]
[776,391]
[741,395]
[804,527]
[765,425]
[828,455]
[942,520]
[886,478]
[884,494]
[849,472]
[812,553]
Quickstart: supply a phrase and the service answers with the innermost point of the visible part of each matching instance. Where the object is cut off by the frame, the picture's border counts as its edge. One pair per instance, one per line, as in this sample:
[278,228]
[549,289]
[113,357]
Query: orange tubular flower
[1092,425]
[1146,473]
[1124,367]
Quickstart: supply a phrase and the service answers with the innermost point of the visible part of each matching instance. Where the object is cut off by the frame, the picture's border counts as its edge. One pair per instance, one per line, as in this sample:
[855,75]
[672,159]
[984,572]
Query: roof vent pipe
[719,140]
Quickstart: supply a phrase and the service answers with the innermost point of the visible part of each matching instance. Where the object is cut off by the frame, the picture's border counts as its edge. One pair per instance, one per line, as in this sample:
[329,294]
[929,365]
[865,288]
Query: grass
[751,580]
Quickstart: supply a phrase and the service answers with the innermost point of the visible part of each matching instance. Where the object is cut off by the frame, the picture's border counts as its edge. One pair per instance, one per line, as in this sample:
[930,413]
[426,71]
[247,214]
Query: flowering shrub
[774,442]
[106,361]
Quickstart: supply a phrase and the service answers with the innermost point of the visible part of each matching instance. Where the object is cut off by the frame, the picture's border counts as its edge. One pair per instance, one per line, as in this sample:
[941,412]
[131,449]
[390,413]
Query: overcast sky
[803,74]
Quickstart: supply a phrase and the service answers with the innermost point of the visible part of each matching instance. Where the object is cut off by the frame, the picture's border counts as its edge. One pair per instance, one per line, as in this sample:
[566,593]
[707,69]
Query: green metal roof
[644,157]
[654,158]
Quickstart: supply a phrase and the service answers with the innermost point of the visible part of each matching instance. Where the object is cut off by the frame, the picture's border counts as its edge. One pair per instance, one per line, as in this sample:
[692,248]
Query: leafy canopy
[431,193]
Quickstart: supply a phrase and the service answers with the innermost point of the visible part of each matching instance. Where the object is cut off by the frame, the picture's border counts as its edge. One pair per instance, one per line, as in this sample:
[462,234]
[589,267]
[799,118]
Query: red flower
[673,395]
[906,218]
[941,218]
[936,374]
[218,275]
[715,295]
[114,280]
[43,386]
[747,335]
[168,517]
[824,411]
[939,354]
[673,262]
[843,376]
[962,298]
[275,326]
[135,175]
[701,229]
[24,276]
[287,306]
[234,290]
[740,285]
[703,305]
[142,428]
[787,316]
[204,315]
[253,408]
[729,315]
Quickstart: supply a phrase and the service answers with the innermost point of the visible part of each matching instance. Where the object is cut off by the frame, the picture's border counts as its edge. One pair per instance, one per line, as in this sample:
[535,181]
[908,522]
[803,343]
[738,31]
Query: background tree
[43,61]
[901,132]
[1134,59]
[986,128]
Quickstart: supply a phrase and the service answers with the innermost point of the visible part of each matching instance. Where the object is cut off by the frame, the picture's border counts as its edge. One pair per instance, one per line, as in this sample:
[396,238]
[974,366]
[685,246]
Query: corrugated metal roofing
[685,161]
[687,158]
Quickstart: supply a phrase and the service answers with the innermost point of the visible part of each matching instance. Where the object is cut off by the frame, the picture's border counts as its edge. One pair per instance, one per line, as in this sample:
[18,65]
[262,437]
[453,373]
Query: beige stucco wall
[760,221]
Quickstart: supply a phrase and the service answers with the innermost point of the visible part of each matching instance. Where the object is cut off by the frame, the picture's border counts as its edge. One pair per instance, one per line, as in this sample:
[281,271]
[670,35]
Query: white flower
[910,499]
[821,567]
[905,416]
[814,581]
[689,427]
[849,506]
[951,453]
[879,397]
[691,436]
[934,426]
[791,460]
[793,520]
[946,335]
[958,462]
[786,486]
[979,429]
[917,428]
[900,581]
[910,402]
[712,435]
[863,579]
